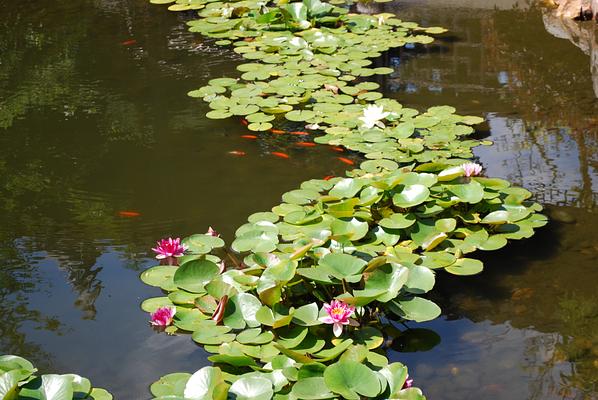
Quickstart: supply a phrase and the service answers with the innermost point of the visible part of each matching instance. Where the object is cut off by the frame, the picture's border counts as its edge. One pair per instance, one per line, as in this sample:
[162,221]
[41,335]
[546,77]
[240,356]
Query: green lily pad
[201,384]
[241,311]
[194,275]
[311,388]
[342,266]
[352,380]
[202,243]
[153,303]
[465,266]
[161,276]
[252,388]
[170,385]
[416,309]
[411,195]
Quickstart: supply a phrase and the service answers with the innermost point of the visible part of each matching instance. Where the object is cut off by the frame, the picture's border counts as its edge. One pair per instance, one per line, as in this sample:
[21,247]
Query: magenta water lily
[163,316]
[169,248]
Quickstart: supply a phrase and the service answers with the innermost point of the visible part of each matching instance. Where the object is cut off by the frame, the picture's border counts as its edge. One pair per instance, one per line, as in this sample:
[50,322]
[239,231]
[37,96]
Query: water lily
[212,232]
[338,315]
[227,12]
[168,248]
[372,116]
[162,316]
[471,169]
[408,383]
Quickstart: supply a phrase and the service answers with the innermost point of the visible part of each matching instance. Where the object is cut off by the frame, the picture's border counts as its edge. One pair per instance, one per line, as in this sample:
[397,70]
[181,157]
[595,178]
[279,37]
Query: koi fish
[277,131]
[299,133]
[306,144]
[129,214]
[279,154]
[328,177]
[249,136]
[244,121]
[346,160]
[336,148]
[129,42]
[237,153]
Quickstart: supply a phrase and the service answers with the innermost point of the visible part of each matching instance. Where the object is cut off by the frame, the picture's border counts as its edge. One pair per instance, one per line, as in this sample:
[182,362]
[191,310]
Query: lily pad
[352,380]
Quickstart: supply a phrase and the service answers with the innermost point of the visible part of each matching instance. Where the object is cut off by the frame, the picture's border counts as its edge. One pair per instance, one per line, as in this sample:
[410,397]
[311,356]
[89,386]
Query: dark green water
[92,124]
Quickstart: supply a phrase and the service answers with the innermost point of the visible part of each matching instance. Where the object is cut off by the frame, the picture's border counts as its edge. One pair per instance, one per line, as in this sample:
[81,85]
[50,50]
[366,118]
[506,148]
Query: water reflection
[16,280]
[535,90]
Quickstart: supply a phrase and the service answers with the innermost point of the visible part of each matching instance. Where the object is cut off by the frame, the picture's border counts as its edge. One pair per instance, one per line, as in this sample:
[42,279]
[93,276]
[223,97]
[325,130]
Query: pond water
[94,121]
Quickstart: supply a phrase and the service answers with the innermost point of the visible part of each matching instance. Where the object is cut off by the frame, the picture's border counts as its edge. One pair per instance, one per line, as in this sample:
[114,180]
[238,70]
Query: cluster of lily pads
[18,381]
[372,241]
[308,298]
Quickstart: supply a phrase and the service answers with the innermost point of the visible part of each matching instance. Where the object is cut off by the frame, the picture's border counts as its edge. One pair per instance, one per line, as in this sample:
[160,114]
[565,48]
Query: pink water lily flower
[338,315]
[408,383]
[169,248]
[162,316]
[212,232]
[471,169]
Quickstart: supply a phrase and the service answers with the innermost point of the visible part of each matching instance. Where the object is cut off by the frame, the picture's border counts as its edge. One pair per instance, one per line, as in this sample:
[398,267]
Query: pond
[103,154]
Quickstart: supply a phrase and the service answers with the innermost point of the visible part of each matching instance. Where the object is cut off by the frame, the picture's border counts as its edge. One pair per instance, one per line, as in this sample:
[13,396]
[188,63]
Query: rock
[575,8]
[584,36]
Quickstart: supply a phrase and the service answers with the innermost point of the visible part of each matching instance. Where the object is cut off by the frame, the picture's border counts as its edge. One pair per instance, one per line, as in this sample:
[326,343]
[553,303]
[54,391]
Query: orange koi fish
[129,42]
[336,148]
[346,160]
[299,133]
[244,121]
[129,214]
[306,144]
[279,154]
[328,177]
[249,136]
[277,131]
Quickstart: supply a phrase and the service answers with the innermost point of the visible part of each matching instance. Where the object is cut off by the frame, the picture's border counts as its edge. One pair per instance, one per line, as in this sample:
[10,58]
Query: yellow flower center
[337,311]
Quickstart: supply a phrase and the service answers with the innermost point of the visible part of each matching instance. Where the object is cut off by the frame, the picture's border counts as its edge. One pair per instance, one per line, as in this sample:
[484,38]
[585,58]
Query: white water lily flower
[298,42]
[227,11]
[372,116]
[381,20]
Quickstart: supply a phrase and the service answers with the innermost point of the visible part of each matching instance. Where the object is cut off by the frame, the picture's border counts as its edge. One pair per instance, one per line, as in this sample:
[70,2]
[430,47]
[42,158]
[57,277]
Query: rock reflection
[582,35]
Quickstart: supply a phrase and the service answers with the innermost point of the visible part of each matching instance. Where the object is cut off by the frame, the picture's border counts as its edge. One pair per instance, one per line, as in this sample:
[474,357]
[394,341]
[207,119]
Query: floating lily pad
[161,276]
